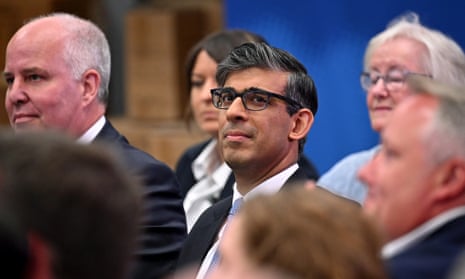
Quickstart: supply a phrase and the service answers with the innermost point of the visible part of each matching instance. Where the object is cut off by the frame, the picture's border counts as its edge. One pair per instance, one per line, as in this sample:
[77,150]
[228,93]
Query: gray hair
[446,135]
[300,86]
[85,48]
[444,60]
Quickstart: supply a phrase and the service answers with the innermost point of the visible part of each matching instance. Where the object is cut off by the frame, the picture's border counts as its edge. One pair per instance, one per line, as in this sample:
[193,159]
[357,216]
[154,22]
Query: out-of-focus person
[77,208]
[404,48]
[416,182]
[300,233]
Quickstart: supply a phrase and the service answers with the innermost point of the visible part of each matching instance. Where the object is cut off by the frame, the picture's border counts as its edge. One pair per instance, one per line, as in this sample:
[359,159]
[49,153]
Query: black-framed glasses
[253,98]
[394,79]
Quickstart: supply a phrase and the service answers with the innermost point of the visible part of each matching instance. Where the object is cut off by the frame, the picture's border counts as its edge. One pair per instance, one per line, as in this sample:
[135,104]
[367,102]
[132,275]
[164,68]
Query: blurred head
[312,234]
[201,65]
[421,161]
[57,69]
[68,199]
[275,134]
[404,48]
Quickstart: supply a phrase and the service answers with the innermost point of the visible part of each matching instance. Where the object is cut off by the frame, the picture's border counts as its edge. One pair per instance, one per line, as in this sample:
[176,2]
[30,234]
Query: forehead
[35,45]
[270,80]
[410,119]
[204,61]
[399,51]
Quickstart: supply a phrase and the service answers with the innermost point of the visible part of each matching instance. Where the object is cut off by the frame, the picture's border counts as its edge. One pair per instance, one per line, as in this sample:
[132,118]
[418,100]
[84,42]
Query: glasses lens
[366,81]
[395,80]
[256,100]
[222,98]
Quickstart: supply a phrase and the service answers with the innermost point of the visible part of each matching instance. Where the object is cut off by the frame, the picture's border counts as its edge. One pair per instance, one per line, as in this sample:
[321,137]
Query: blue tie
[234,209]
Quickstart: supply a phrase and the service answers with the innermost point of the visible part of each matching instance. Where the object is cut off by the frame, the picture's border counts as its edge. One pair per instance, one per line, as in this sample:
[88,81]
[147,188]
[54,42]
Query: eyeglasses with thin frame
[254,99]
[394,80]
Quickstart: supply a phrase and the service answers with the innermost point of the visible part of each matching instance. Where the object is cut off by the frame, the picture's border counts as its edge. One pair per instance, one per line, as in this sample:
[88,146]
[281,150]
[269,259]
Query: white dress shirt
[93,131]
[212,175]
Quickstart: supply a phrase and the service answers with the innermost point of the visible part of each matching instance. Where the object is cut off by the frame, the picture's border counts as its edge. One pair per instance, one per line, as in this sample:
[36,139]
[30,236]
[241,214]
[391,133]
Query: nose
[378,88]
[209,84]
[236,111]
[15,94]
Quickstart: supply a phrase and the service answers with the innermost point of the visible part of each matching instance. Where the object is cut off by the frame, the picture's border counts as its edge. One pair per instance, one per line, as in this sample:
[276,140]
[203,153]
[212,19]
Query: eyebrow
[27,71]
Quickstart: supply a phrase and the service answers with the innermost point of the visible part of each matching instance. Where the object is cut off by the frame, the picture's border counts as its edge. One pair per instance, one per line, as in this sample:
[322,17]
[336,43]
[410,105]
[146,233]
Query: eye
[197,83]
[33,77]
[227,97]
[395,76]
[257,98]
[9,80]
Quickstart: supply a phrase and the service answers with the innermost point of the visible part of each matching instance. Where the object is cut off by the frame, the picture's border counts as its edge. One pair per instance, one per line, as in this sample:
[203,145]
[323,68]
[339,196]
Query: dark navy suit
[164,222]
[433,257]
[203,234]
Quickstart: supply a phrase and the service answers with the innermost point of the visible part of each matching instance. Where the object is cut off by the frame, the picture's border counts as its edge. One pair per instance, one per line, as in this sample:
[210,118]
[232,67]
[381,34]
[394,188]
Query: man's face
[41,93]
[400,178]
[257,140]
[397,54]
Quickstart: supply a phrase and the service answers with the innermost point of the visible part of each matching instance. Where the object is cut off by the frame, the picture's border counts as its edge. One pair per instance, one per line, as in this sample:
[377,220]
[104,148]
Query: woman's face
[202,80]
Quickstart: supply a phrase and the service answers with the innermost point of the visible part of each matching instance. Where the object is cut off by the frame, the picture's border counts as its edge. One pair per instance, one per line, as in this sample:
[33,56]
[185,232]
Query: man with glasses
[267,104]
[405,48]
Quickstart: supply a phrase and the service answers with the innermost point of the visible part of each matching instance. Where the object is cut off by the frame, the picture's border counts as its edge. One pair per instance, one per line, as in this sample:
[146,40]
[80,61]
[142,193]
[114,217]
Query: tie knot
[235,206]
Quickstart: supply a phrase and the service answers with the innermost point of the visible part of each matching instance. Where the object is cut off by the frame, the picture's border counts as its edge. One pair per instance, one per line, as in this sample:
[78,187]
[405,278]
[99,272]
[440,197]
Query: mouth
[382,108]
[236,136]
[23,118]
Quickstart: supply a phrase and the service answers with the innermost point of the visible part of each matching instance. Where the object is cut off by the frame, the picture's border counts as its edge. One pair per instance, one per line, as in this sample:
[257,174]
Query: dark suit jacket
[433,257]
[186,177]
[164,222]
[203,234]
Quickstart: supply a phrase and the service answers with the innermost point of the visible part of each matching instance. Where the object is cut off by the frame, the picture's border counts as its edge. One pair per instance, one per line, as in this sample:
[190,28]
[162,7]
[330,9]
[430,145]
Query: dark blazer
[433,257]
[186,177]
[203,234]
[164,222]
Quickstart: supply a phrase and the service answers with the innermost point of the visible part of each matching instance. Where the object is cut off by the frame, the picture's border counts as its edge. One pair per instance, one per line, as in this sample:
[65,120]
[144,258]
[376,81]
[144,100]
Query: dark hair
[217,45]
[74,197]
[300,86]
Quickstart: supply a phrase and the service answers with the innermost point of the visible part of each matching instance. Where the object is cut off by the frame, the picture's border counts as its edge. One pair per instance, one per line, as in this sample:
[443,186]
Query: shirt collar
[402,243]
[93,131]
[268,187]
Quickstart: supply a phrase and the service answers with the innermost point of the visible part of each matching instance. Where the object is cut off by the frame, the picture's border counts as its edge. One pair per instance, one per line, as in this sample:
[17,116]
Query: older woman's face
[400,54]
[202,80]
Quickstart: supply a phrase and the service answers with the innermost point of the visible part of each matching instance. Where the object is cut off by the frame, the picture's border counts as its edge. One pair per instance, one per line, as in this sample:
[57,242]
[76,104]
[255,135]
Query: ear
[450,180]
[303,120]
[91,83]
[40,263]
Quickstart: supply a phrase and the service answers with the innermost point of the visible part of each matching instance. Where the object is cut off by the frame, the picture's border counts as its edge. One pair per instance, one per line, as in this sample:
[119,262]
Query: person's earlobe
[451,180]
[303,121]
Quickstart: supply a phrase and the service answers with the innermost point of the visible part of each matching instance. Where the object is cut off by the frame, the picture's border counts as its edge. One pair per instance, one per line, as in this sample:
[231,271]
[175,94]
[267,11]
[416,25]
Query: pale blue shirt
[342,178]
